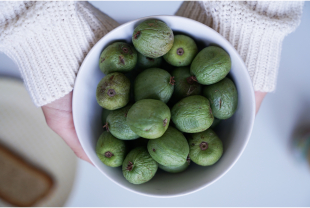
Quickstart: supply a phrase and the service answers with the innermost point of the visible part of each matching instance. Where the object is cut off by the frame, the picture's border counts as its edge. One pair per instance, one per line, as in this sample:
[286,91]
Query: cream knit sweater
[49,40]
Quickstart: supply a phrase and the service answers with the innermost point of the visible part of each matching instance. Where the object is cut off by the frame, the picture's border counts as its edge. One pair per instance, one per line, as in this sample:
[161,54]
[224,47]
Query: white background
[267,174]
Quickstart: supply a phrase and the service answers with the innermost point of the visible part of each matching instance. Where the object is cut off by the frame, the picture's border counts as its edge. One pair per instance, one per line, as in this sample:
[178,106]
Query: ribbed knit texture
[48,41]
[255,29]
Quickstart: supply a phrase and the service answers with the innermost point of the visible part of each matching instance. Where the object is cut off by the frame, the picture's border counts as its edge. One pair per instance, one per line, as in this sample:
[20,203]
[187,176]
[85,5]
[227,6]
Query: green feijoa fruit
[223,97]
[110,150]
[117,124]
[113,91]
[211,65]
[192,114]
[139,167]
[183,51]
[118,57]
[146,62]
[171,149]
[185,84]
[149,118]
[205,148]
[215,122]
[153,38]
[154,83]
[175,169]
[104,115]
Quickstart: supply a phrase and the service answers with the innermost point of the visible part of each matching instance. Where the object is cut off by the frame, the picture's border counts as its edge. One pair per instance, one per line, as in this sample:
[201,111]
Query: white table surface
[267,174]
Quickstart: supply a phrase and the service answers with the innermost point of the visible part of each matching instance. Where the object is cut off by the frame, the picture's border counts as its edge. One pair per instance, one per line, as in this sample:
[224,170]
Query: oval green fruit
[149,118]
[192,114]
[118,57]
[185,84]
[223,97]
[183,51]
[146,62]
[117,124]
[110,150]
[171,149]
[205,148]
[138,166]
[175,169]
[113,91]
[211,65]
[154,83]
[153,38]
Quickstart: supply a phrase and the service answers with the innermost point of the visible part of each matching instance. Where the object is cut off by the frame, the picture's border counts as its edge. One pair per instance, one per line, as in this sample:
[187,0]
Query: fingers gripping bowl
[234,132]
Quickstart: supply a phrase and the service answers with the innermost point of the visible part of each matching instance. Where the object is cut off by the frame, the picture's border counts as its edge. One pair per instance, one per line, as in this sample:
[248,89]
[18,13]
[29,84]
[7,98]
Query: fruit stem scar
[137,35]
[172,81]
[111,92]
[106,126]
[121,60]
[129,166]
[125,50]
[165,122]
[191,80]
[108,154]
[203,145]
[180,51]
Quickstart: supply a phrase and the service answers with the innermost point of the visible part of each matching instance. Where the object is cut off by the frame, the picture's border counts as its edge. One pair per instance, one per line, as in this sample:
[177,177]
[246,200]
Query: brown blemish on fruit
[172,81]
[111,92]
[154,150]
[165,122]
[106,126]
[137,35]
[102,60]
[150,24]
[188,160]
[121,60]
[210,110]
[220,103]
[150,59]
[129,166]
[111,77]
[191,80]
[203,146]
[108,154]
[180,51]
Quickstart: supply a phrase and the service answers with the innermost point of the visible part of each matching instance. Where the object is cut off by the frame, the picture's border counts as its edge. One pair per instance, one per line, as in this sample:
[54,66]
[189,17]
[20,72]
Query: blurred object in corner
[301,147]
[21,184]
[24,131]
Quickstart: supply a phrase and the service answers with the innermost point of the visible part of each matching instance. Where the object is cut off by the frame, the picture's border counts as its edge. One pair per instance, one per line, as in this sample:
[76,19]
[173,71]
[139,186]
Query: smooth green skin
[146,63]
[211,65]
[189,47]
[104,115]
[144,166]
[174,169]
[120,84]
[192,114]
[107,142]
[223,97]
[149,118]
[215,122]
[209,156]
[153,83]
[152,38]
[118,126]
[171,149]
[182,88]
[115,58]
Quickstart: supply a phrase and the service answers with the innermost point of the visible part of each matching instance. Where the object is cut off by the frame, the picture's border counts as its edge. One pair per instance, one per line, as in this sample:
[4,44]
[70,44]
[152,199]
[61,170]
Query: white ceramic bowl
[234,132]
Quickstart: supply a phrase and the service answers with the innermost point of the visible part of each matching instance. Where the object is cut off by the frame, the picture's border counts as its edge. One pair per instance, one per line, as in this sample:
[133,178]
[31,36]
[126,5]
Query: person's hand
[58,116]
[259,96]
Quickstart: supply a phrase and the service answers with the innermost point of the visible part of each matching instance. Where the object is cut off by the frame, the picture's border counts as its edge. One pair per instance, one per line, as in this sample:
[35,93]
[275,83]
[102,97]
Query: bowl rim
[251,116]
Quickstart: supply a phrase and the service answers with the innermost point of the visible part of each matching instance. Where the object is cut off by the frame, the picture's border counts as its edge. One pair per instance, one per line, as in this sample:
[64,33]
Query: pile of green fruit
[155,117]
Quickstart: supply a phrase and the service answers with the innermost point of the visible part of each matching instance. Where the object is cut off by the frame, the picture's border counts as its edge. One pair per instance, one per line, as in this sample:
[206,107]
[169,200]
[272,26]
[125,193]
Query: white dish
[235,132]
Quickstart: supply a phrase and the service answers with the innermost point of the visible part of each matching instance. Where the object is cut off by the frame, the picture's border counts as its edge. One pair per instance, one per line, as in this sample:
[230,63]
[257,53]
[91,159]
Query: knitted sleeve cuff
[48,41]
[255,29]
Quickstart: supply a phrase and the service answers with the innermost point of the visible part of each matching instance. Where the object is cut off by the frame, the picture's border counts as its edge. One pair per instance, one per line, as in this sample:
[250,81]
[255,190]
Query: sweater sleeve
[48,41]
[255,29]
